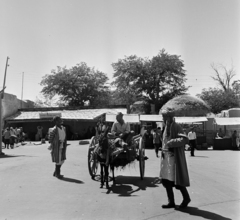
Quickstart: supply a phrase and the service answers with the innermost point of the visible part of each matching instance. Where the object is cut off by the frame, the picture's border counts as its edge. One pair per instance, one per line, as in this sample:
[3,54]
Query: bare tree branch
[224,82]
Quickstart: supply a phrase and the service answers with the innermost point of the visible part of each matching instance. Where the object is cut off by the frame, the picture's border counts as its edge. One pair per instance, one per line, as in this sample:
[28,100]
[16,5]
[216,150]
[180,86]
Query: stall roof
[227,121]
[81,114]
[156,118]
[190,119]
[130,118]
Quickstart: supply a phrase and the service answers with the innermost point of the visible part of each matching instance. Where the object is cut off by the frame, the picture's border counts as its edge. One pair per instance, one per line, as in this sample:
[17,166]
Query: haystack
[187,106]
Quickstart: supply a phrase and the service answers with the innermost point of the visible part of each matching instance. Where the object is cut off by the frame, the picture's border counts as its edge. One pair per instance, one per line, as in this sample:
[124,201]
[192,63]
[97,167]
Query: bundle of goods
[122,155]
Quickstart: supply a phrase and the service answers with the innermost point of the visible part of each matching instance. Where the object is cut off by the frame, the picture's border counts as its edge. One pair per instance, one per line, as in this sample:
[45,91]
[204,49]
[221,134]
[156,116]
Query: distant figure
[39,132]
[234,139]
[6,136]
[238,140]
[157,139]
[148,138]
[220,134]
[12,137]
[192,140]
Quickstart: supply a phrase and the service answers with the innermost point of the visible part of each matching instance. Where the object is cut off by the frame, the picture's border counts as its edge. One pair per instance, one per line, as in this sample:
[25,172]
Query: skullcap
[168,112]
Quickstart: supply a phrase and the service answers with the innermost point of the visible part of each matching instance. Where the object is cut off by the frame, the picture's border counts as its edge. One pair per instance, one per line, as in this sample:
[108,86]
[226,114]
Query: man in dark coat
[174,171]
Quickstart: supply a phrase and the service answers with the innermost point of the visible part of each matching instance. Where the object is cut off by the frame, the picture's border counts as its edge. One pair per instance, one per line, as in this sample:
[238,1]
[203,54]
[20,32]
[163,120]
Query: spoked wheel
[92,158]
[141,158]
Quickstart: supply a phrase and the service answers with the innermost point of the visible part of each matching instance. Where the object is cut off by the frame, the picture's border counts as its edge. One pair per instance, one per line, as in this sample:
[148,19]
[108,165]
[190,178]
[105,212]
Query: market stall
[230,124]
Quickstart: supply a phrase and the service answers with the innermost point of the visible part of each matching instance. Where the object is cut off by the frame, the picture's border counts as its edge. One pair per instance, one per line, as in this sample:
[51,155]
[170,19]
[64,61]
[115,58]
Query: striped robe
[54,140]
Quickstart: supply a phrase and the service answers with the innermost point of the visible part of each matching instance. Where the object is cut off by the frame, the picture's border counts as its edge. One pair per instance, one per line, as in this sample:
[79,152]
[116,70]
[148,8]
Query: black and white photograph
[119,110]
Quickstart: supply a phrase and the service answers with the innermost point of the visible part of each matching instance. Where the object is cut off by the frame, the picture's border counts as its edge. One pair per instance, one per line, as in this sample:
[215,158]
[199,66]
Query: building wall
[11,104]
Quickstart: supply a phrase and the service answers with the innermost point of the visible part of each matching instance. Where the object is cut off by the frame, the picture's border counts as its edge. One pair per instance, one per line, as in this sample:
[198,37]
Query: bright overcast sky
[39,35]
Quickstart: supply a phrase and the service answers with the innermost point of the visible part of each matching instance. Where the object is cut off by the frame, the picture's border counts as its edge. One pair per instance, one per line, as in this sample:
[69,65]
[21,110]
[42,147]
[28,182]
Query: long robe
[178,141]
[55,142]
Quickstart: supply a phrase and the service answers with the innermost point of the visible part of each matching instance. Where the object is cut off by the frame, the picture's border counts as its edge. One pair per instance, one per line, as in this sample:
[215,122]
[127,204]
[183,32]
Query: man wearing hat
[120,127]
[174,171]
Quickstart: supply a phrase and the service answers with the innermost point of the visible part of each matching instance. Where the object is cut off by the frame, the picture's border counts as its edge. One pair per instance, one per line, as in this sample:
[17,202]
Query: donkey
[104,158]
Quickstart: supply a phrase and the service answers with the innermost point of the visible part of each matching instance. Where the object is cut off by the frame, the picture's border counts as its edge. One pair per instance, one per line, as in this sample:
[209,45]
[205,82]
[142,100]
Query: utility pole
[22,89]
[1,98]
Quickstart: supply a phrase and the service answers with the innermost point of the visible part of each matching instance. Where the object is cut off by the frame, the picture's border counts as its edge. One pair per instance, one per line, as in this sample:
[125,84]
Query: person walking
[192,140]
[57,139]
[157,140]
[174,171]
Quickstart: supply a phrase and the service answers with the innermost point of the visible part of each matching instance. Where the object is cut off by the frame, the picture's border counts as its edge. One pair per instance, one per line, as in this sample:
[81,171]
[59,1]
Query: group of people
[154,138]
[173,168]
[12,136]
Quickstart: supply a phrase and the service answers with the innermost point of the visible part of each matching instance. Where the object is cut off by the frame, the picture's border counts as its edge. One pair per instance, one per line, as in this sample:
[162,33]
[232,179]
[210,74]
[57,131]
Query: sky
[39,35]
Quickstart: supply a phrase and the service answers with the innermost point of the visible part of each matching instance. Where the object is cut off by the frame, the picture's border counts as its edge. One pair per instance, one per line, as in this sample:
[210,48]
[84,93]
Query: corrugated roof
[81,114]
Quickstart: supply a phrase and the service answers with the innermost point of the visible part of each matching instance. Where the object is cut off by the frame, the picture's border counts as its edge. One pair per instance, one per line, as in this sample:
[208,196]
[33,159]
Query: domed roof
[186,105]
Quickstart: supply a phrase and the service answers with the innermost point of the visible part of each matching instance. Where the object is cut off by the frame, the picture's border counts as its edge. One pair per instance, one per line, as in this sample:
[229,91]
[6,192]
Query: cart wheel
[141,158]
[92,158]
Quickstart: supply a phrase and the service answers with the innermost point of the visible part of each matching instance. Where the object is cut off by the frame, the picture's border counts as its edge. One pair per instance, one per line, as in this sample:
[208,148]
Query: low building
[80,123]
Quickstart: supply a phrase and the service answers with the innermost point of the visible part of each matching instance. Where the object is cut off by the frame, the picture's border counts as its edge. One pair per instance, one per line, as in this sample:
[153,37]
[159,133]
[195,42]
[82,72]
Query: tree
[76,86]
[218,99]
[156,80]
[223,81]
[225,97]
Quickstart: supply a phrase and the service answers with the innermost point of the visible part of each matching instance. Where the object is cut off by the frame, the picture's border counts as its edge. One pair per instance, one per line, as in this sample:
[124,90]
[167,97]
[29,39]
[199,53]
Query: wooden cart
[137,142]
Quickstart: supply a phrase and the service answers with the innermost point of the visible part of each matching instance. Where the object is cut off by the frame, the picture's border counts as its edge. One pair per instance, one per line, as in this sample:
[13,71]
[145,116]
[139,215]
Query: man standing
[57,139]
[174,171]
[192,140]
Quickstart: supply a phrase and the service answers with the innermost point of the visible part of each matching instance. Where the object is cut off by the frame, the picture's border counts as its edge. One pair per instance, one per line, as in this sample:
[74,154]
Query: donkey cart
[120,156]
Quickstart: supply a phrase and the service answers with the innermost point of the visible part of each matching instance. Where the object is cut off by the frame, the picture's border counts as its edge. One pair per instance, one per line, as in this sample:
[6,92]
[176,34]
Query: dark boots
[171,202]
[57,172]
[186,198]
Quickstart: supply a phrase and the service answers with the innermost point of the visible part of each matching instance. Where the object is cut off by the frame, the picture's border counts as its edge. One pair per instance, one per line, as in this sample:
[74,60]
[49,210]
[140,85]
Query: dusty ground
[29,191]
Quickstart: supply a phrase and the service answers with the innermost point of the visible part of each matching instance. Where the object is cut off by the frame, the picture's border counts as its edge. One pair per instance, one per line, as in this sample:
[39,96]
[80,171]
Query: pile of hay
[186,105]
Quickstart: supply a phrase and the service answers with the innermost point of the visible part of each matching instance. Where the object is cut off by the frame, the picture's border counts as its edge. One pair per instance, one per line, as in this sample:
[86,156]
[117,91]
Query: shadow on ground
[124,185]
[72,180]
[202,213]
[13,156]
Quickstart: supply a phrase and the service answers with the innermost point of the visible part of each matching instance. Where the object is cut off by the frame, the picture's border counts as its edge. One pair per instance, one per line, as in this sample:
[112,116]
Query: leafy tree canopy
[218,99]
[76,86]
[157,80]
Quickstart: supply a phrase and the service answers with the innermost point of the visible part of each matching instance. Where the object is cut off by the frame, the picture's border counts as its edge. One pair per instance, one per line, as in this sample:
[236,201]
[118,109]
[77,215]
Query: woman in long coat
[58,142]
[174,170]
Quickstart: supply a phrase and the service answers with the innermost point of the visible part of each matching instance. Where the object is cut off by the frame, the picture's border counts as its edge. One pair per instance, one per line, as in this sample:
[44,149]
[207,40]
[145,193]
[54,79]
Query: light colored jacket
[178,141]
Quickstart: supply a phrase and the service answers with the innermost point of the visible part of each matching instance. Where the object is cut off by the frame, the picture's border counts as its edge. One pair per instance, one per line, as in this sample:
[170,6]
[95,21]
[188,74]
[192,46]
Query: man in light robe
[174,171]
